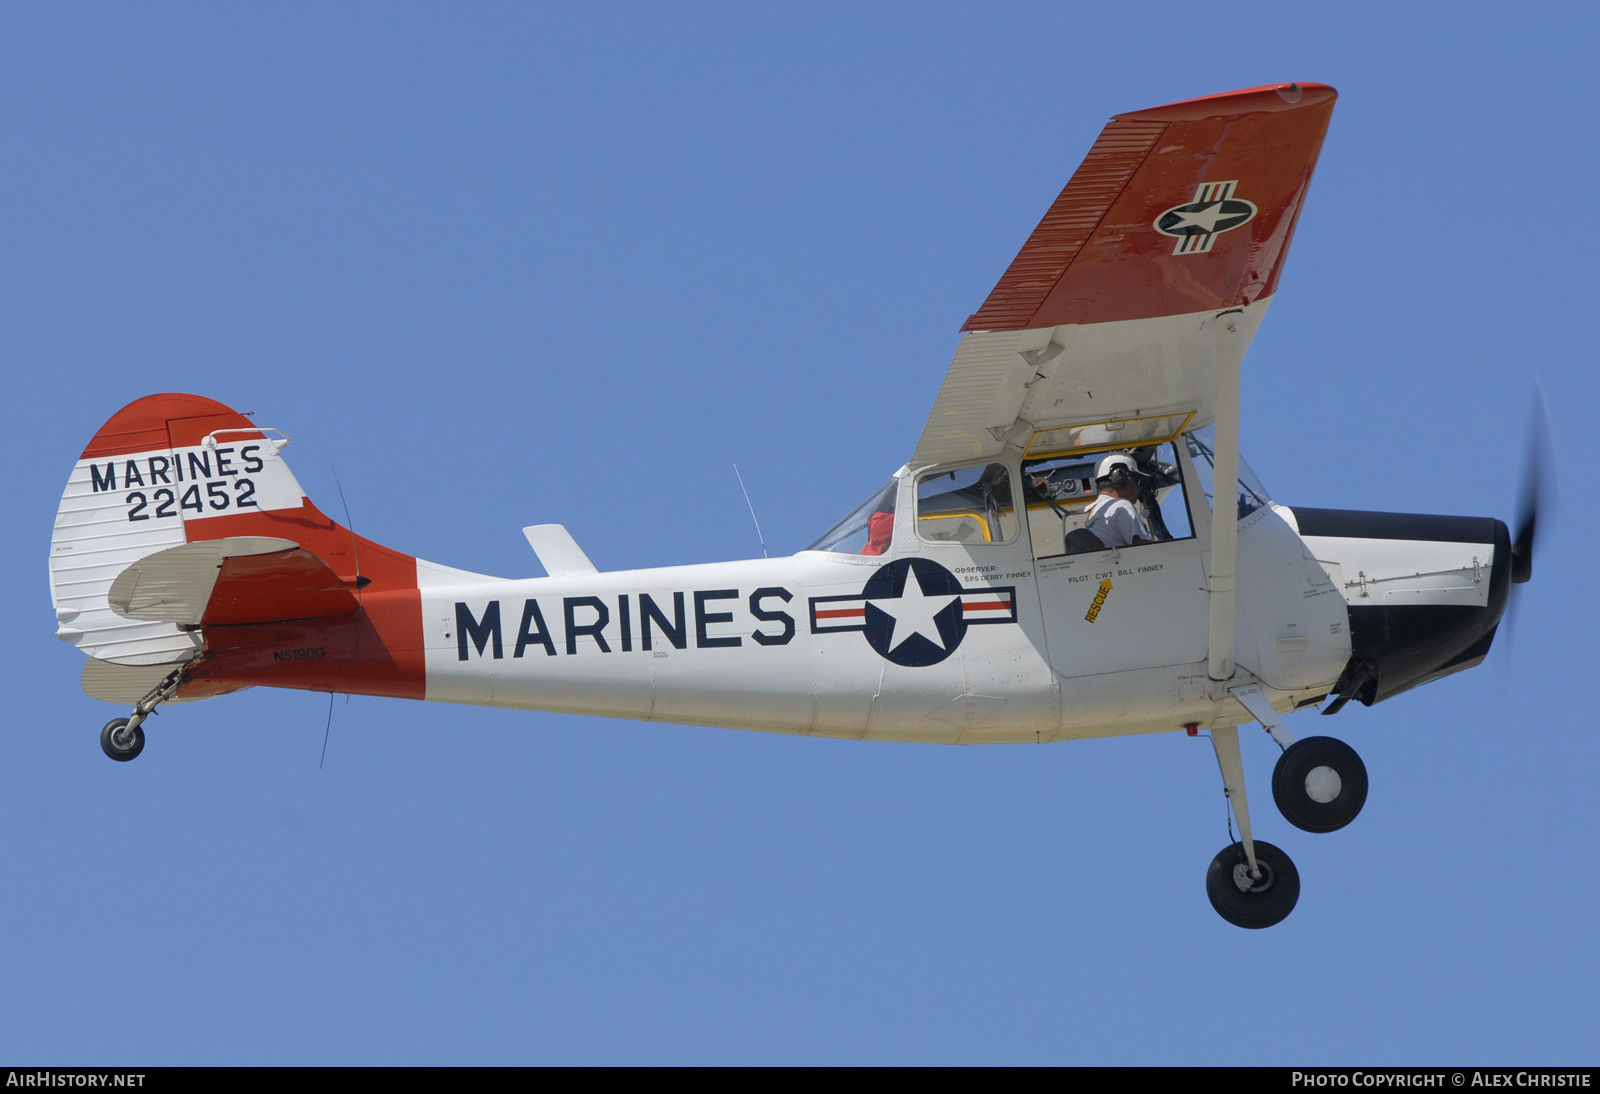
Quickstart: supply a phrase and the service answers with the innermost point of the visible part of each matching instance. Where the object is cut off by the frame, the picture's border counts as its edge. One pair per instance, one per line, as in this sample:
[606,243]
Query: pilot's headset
[1116,471]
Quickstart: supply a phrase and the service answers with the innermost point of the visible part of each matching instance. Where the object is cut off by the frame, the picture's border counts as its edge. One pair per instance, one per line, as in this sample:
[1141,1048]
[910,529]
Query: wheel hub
[1323,784]
[1249,884]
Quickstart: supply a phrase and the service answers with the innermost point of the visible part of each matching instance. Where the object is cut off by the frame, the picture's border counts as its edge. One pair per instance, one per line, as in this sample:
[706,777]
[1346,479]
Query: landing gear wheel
[1247,901]
[120,744]
[1320,784]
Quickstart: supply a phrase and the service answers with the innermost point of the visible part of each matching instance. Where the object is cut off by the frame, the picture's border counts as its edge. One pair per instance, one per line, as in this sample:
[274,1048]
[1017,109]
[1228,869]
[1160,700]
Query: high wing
[1109,312]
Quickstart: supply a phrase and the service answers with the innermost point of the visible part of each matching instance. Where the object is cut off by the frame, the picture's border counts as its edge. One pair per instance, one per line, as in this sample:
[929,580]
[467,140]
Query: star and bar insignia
[1198,223]
[913,611]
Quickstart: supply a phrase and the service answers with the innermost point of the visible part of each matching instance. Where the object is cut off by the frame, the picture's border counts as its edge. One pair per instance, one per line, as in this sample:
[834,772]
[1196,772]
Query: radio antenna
[327,730]
[355,553]
[351,525]
[361,582]
[752,508]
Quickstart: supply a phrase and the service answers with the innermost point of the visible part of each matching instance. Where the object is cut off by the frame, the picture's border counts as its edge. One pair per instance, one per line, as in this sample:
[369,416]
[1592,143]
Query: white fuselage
[1064,647]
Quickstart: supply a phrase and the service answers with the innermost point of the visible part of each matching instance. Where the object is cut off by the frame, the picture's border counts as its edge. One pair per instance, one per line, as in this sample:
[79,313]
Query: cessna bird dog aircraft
[1074,549]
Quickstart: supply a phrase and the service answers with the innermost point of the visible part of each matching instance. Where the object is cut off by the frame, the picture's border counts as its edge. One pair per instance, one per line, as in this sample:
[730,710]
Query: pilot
[1114,518]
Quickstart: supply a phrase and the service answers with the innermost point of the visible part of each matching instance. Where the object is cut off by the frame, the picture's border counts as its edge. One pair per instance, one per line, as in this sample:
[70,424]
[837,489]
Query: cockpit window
[1251,494]
[868,530]
[1067,513]
[968,505]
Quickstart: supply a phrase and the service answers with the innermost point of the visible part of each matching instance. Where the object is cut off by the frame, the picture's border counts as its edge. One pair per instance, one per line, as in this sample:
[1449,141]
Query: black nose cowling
[1396,647]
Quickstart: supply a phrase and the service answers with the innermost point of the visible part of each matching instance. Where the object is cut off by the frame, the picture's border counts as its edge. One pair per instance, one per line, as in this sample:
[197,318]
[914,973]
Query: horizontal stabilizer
[124,685]
[243,579]
[277,587]
[558,552]
[175,585]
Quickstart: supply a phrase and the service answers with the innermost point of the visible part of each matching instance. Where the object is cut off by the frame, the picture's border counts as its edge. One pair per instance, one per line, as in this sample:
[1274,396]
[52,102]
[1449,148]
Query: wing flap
[1101,372]
[961,424]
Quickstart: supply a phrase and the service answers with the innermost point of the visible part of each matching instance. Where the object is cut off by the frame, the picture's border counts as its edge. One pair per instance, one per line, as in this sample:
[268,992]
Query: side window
[1062,496]
[968,505]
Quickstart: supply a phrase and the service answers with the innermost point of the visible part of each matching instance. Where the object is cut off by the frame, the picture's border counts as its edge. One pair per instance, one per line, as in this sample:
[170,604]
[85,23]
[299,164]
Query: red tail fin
[173,469]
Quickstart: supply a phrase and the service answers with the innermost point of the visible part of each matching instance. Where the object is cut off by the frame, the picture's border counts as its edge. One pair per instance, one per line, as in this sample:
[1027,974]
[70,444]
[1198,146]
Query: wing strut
[1224,491]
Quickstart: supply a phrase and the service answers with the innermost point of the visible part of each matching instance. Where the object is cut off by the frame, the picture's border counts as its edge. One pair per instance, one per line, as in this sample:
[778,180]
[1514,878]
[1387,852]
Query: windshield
[868,529]
[1252,495]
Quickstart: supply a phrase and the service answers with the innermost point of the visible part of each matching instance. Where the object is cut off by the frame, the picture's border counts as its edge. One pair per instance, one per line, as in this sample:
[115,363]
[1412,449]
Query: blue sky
[508,264]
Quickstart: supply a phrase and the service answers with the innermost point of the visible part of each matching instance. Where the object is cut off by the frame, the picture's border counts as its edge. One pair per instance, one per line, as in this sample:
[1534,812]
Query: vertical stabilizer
[154,477]
[173,471]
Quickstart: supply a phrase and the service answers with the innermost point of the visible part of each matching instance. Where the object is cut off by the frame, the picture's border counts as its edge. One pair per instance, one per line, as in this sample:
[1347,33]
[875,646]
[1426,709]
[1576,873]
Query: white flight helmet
[1118,468]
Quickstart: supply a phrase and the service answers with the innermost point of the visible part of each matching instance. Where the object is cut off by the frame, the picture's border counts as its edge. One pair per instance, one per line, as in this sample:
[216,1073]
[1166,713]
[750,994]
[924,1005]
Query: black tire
[1295,801]
[109,746]
[1268,900]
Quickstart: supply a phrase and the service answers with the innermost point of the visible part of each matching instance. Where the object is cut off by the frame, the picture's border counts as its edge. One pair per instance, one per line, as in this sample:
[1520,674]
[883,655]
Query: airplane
[1074,549]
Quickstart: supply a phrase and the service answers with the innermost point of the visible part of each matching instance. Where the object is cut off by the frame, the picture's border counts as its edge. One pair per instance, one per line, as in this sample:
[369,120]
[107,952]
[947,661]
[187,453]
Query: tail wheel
[1320,784]
[1249,901]
[119,742]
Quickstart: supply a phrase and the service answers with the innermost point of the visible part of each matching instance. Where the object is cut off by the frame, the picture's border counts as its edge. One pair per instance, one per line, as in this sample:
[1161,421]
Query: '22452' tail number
[165,502]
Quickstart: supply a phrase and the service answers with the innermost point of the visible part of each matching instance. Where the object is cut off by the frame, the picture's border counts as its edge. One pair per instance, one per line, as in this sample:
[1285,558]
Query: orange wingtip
[1249,100]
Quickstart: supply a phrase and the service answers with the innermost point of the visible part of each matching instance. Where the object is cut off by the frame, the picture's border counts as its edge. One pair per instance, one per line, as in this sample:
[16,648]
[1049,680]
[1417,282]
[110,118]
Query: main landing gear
[1320,784]
[1256,898]
[123,738]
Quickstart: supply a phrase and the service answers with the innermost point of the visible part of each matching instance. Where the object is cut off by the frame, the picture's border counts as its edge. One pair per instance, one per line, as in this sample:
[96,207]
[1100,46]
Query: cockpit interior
[1055,483]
